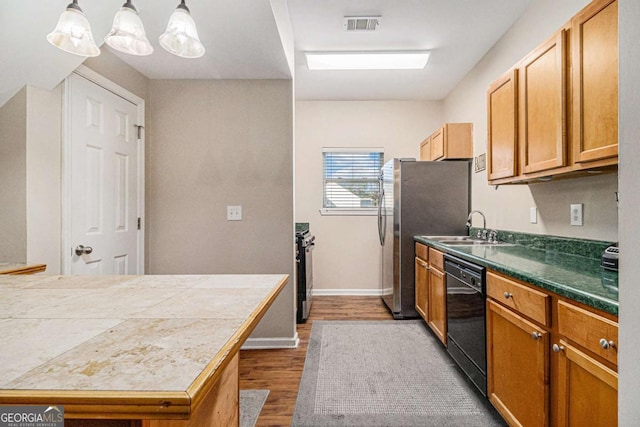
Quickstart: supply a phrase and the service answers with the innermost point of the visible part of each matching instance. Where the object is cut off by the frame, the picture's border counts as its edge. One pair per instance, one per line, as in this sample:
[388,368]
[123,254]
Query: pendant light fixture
[73,33]
[181,36]
[127,33]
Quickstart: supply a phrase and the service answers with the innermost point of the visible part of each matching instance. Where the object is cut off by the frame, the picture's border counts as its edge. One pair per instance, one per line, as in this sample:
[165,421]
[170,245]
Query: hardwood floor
[280,370]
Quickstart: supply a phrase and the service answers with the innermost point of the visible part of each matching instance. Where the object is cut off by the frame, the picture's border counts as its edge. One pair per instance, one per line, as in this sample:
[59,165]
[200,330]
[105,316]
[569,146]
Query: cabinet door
[502,131]
[595,81]
[542,106]
[517,367]
[425,149]
[587,390]
[437,310]
[422,287]
[437,143]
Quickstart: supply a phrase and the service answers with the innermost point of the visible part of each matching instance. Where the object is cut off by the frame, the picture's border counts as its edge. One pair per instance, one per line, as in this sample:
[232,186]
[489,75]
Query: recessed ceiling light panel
[395,60]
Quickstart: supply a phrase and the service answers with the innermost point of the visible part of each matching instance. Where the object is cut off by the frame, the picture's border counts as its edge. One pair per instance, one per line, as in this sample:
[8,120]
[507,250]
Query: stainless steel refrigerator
[417,198]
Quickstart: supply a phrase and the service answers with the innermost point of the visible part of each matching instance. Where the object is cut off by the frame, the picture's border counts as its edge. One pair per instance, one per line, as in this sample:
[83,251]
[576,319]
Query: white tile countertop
[129,334]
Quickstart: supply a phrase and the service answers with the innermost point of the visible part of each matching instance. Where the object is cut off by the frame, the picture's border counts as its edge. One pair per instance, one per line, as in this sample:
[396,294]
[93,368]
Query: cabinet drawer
[588,330]
[529,302]
[436,259]
[422,251]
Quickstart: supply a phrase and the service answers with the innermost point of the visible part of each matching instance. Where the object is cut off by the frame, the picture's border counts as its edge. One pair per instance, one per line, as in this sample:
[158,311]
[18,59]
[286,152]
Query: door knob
[83,250]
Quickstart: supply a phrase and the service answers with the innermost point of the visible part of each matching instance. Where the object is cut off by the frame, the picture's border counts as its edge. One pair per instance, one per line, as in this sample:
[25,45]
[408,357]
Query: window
[350,180]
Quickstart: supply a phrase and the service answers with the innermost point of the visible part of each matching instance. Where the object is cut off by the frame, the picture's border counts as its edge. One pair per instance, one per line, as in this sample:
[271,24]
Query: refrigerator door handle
[380,203]
[382,224]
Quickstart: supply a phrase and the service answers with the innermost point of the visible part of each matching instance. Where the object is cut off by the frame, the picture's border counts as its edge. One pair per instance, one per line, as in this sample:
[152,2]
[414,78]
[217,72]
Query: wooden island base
[166,355]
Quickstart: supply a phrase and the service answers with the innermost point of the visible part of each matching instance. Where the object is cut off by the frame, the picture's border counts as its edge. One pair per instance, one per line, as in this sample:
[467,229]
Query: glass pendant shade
[181,37]
[73,33]
[127,33]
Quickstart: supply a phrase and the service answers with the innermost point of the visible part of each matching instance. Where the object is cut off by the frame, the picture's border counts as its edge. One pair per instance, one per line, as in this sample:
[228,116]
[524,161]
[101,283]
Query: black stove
[304,271]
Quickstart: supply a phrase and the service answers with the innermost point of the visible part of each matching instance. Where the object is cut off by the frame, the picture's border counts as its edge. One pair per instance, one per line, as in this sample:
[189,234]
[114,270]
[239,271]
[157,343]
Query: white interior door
[104,199]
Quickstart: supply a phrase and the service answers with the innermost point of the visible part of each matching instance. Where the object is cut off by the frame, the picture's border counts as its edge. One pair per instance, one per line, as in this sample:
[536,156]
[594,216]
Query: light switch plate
[533,215]
[234,213]
[576,214]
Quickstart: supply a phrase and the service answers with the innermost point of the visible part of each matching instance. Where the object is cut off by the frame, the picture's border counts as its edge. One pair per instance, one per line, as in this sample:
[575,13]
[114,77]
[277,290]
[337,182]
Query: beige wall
[13,179]
[30,176]
[508,206]
[213,144]
[114,69]
[44,112]
[346,256]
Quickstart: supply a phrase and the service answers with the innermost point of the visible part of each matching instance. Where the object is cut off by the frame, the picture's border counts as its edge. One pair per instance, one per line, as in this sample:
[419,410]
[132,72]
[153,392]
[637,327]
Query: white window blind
[350,178]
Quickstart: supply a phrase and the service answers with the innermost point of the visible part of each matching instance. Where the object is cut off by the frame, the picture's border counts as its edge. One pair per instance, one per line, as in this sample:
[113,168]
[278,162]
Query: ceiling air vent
[361,23]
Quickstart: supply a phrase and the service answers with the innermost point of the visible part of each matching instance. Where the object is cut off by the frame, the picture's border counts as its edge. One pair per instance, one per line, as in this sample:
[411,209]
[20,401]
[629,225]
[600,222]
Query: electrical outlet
[533,215]
[234,213]
[576,214]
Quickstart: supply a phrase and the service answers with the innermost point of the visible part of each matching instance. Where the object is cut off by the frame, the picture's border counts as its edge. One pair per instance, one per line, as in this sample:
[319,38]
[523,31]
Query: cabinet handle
[606,344]
[507,295]
[557,348]
[536,335]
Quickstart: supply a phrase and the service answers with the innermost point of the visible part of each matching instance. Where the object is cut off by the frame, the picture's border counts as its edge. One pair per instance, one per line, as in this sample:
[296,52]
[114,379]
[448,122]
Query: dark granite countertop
[579,278]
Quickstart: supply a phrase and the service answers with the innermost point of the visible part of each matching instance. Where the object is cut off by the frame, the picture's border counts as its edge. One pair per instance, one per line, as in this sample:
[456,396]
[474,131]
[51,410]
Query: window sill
[349,212]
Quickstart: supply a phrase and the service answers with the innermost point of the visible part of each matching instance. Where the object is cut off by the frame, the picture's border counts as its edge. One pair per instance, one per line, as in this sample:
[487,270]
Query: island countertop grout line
[573,276]
[163,346]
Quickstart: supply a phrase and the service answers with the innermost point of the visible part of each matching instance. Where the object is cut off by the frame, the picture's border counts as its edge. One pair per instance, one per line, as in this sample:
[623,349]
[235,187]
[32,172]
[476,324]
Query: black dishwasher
[466,328]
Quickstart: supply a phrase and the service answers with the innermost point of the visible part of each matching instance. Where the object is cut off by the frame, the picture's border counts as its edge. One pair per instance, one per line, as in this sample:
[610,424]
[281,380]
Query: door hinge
[139,223]
[139,128]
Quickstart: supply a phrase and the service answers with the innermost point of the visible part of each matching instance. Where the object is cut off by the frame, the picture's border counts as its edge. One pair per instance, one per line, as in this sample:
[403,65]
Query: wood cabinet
[431,292]
[422,287]
[595,82]
[566,111]
[550,361]
[585,368]
[437,310]
[502,127]
[587,389]
[425,149]
[517,357]
[451,141]
[542,103]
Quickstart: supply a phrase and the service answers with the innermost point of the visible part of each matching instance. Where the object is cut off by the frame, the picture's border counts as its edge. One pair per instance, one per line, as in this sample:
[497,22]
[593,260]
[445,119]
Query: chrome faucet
[484,220]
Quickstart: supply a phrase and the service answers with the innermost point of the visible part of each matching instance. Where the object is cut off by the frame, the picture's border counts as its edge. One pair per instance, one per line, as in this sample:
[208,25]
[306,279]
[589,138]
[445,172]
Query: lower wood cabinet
[437,310]
[517,367]
[555,369]
[422,287]
[587,389]
[430,288]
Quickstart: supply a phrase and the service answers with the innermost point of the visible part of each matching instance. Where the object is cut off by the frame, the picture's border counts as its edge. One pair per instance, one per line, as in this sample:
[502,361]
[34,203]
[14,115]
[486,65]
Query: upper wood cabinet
[451,141]
[425,149]
[565,107]
[542,106]
[595,81]
[502,110]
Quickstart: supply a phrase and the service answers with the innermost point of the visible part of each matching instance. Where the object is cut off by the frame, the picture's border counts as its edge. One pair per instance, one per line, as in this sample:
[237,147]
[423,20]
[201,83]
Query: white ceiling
[242,41]
[457,32]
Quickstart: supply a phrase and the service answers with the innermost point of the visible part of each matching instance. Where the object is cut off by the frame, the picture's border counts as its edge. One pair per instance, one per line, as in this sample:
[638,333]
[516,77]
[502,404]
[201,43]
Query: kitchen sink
[464,241]
[473,242]
[448,238]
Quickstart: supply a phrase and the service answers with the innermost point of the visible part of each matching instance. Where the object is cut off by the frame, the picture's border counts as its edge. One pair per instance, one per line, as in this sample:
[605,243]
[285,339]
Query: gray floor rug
[384,373]
[251,402]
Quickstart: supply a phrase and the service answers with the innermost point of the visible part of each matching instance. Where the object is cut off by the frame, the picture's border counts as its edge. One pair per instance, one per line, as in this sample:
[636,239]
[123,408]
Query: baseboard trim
[270,343]
[347,292]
